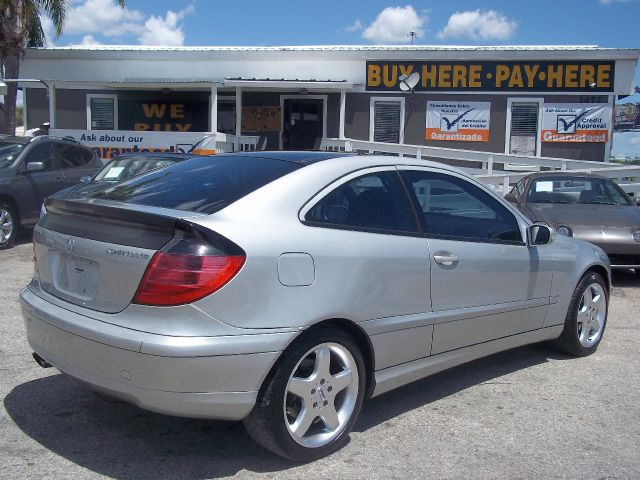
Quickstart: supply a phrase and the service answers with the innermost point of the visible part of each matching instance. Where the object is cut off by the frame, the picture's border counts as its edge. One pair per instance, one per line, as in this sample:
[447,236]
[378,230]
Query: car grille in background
[621,259]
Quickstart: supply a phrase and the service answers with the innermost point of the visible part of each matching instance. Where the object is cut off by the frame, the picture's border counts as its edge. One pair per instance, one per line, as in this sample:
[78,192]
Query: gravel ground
[526,413]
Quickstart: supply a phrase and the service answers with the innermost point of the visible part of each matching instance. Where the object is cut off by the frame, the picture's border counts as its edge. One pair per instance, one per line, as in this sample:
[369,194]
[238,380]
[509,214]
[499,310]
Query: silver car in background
[284,288]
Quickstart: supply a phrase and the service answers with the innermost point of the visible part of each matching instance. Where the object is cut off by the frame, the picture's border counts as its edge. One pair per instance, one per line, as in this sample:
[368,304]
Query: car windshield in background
[9,151]
[126,167]
[576,190]
[204,184]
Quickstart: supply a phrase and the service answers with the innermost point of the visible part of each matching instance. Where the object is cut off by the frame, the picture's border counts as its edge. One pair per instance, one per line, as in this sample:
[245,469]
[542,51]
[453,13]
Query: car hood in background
[81,190]
[594,215]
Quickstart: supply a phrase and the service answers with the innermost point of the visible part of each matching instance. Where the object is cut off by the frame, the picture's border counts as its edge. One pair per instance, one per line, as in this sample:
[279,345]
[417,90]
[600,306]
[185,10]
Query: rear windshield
[204,185]
[122,168]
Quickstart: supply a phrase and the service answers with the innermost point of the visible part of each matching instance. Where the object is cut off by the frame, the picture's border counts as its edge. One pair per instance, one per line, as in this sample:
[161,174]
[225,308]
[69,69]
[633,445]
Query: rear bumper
[181,380]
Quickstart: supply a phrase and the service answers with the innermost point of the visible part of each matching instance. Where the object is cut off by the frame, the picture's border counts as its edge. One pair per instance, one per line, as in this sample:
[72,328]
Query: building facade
[540,101]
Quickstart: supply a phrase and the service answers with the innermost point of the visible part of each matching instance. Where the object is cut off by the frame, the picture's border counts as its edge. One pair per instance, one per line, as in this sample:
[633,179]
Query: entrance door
[303,121]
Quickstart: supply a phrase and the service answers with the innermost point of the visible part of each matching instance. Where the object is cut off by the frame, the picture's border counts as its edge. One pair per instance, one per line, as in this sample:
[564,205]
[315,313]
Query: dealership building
[551,101]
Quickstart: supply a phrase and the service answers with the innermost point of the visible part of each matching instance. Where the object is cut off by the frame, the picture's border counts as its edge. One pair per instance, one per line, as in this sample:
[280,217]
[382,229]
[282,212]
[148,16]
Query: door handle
[446,258]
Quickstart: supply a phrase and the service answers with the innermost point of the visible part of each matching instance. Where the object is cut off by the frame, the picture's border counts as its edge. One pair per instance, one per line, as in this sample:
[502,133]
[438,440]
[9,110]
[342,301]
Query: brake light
[176,279]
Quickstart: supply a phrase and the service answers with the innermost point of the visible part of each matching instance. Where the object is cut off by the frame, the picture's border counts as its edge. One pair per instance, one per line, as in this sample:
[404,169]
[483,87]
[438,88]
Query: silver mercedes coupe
[284,288]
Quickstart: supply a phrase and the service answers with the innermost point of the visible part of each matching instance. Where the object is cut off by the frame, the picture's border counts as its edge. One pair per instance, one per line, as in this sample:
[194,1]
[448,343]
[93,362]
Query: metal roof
[328,48]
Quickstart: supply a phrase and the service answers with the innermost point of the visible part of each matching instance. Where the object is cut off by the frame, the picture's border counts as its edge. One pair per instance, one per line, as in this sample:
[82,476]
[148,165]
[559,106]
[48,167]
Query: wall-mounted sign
[576,122]
[111,143]
[578,76]
[458,121]
[161,116]
[627,117]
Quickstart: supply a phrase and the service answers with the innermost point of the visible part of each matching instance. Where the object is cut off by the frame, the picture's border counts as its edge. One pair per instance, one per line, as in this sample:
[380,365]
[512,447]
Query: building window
[102,112]
[386,120]
[523,127]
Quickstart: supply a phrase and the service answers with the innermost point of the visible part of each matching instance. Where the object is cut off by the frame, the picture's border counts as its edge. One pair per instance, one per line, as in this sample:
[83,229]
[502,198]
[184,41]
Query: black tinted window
[71,156]
[41,152]
[375,201]
[453,207]
[204,184]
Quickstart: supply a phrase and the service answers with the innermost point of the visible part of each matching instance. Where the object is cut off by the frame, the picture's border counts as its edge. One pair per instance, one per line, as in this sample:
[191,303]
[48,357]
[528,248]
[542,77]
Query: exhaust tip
[41,361]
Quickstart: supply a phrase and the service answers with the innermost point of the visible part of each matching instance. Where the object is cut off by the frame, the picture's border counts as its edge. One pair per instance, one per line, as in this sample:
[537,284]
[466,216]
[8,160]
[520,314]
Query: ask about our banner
[576,122]
[458,121]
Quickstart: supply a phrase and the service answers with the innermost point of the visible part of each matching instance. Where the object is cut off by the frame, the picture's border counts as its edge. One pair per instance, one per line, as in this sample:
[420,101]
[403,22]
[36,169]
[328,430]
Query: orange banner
[585,136]
[462,135]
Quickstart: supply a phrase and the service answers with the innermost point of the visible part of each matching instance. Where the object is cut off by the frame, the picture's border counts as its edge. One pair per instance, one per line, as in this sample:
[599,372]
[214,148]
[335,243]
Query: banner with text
[490,76]
[458,121]
[576,122]
[111,143]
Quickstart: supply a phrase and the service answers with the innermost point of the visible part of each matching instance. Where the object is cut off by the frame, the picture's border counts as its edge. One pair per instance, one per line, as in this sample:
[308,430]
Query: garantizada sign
[571,76]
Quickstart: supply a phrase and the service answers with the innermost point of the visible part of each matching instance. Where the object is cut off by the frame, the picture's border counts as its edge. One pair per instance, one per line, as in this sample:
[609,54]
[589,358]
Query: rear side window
[376,201]
[204,184]
[71,156]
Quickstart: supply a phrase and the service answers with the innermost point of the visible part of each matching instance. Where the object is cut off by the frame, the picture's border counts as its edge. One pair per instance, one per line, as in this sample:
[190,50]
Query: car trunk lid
[94,253]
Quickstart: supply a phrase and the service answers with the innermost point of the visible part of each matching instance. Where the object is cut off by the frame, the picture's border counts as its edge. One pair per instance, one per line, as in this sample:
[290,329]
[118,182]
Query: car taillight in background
[187,269]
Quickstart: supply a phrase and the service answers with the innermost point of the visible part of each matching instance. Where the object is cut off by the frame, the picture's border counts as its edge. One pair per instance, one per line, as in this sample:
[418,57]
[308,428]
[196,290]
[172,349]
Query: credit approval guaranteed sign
[576,122]
[493,76]
[458,121]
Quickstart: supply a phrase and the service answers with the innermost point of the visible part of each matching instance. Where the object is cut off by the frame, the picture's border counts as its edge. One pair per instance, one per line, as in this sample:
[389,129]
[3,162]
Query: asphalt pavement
[526,413]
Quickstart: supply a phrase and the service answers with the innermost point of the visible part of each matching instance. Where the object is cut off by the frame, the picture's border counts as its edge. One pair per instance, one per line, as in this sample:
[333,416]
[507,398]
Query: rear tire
[586,318]
[8,225]
[310,402]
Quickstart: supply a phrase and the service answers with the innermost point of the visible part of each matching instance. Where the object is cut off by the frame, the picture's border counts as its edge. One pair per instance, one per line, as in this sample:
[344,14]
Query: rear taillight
[183,275]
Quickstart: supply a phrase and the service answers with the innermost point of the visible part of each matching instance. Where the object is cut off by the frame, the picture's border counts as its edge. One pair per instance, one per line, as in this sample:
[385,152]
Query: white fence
[499,170]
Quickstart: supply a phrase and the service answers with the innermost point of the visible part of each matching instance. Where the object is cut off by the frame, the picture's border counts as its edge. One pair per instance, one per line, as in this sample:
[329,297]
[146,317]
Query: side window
[41,153]
[376,201]
[71,156]
[453,207]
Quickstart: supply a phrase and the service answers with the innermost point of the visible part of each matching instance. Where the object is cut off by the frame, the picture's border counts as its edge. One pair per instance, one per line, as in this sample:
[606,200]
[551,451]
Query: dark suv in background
[31,169]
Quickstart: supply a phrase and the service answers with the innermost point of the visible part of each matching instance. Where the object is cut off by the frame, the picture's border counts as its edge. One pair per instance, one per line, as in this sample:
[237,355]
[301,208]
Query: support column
[343,102]
[238,130]
[52,105]
[213,107]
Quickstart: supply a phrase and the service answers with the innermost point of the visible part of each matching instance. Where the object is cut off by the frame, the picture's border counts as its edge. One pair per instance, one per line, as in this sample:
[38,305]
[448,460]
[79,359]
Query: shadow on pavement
[122,441]
[24,235]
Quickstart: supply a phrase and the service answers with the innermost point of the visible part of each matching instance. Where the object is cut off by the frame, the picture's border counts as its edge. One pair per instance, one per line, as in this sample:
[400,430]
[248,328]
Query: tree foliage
[21,27]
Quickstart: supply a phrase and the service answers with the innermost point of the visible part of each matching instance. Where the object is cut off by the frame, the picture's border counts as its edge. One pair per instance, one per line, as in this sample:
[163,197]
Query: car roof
[177,156]
[24,140]
[300,157]
[556,174]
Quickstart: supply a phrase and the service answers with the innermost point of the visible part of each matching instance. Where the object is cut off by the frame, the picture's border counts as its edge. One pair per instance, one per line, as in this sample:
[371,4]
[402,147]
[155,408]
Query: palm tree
[20,27]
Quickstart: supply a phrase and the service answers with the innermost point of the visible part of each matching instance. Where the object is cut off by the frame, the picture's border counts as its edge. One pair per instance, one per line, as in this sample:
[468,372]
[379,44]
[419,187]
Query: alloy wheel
[321,395]
[592,314]
[6,226]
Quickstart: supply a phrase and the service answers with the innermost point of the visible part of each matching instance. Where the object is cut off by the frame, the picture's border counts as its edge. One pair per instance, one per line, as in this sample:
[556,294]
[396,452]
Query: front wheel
[309,405]
[8,225]
[586,318]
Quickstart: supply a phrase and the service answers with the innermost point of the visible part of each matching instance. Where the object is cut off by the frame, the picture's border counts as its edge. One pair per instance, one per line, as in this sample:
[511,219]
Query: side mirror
[86,179]
[35,166]
[511,197]
[636,200]
[539,234]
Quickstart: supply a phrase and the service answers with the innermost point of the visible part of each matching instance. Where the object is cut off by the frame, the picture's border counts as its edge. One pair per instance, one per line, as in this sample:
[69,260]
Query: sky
[606,23]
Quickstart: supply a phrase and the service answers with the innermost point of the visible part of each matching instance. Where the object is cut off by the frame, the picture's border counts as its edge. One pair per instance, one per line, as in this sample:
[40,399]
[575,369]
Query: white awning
[289,83]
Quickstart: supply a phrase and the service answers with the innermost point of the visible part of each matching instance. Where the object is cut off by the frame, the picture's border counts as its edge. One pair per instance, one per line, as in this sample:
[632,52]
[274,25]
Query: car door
[370,262]
[486,282]
[35,185]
